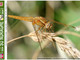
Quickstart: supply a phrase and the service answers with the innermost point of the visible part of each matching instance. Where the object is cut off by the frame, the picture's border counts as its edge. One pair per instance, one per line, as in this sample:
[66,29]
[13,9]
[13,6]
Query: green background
[61,11]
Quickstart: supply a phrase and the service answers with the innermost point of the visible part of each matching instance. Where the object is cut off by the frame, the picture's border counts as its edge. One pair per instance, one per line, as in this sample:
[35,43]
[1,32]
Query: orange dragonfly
[40,21]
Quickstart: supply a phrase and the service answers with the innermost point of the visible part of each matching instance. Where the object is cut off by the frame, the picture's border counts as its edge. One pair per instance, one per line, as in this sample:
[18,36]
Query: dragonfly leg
[39,28]
[33,23]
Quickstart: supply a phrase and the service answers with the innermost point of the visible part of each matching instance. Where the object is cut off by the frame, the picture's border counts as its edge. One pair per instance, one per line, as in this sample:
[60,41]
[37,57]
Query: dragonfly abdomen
[30,19]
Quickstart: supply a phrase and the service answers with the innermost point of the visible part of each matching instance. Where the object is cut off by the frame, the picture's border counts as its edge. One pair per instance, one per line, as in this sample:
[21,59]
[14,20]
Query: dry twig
[62,43]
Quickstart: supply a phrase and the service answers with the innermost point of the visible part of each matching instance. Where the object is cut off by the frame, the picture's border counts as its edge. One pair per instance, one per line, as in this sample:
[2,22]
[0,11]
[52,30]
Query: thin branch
[67,32]
[36,53]
[17,38]
[69,25]
[75,21]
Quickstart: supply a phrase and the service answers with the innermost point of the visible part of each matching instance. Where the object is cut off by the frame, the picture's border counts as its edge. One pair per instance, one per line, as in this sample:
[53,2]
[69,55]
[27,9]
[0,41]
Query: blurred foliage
[67,13]
[63,11]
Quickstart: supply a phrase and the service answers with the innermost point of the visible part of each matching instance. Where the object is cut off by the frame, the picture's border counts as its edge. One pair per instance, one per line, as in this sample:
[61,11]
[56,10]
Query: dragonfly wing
[65,25]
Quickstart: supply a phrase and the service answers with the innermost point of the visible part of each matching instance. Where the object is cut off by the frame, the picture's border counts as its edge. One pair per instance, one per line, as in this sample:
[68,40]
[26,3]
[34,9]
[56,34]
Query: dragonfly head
[48,25]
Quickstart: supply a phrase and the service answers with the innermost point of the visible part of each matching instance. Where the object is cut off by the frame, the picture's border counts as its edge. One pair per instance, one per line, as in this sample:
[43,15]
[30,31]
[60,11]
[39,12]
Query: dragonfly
[40,21]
